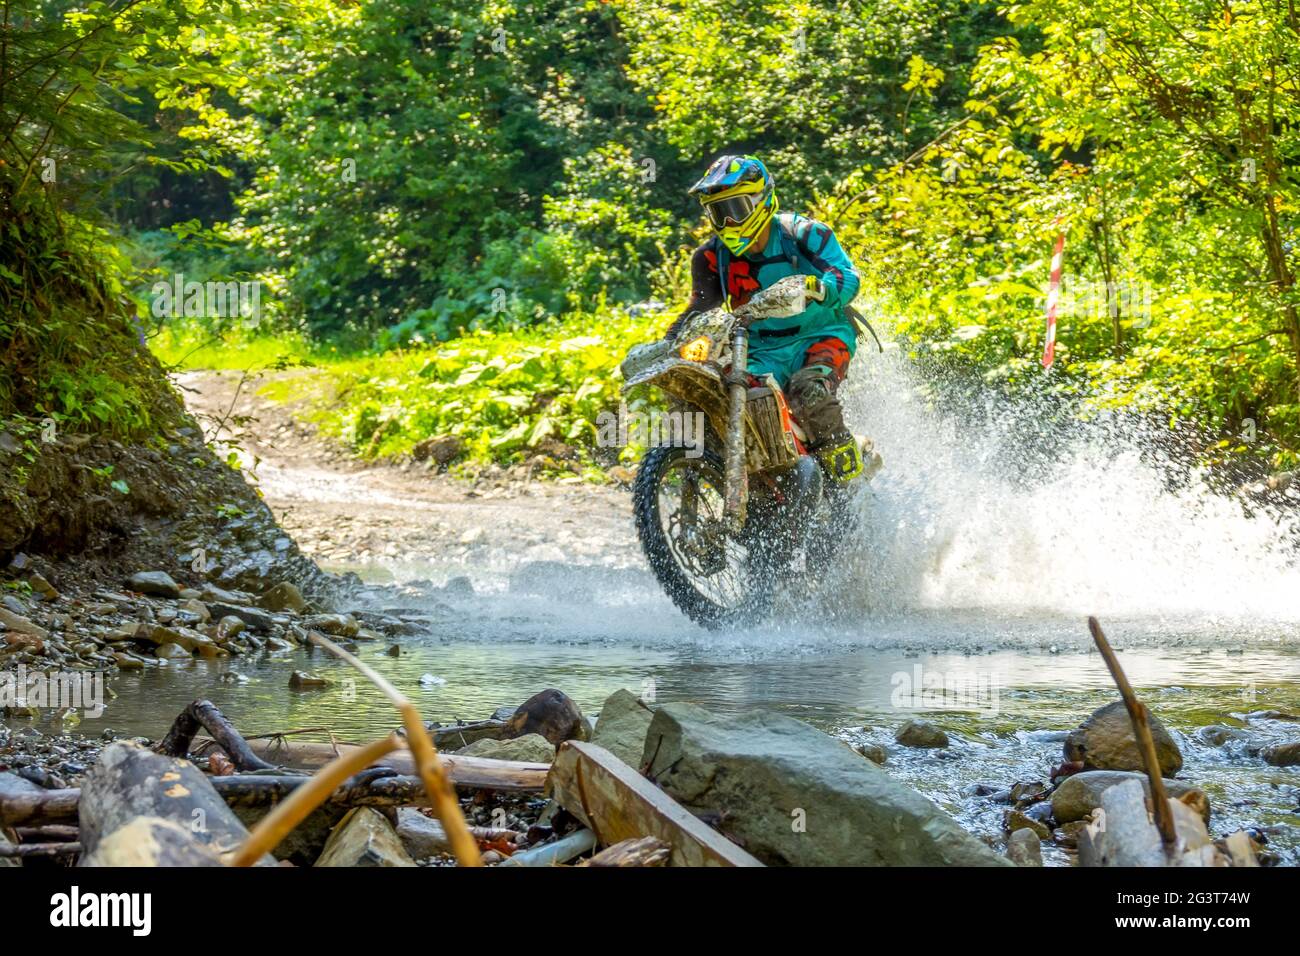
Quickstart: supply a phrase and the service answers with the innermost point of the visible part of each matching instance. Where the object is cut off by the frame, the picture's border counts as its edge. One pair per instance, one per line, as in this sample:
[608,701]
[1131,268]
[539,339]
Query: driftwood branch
[1137,713]
[30,851]
[203,714]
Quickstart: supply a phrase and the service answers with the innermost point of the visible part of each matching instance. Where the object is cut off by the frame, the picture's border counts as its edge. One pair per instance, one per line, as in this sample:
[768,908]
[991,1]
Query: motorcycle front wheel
[716,578]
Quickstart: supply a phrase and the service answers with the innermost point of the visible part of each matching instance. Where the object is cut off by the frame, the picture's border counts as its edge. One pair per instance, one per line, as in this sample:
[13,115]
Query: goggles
[734,210]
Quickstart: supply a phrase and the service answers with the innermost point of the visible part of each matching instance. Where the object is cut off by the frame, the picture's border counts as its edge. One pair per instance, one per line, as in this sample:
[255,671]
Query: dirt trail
[349,514]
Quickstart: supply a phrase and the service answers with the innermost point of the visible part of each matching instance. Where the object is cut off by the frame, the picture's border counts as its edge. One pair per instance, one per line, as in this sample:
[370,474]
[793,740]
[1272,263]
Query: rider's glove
[814,288]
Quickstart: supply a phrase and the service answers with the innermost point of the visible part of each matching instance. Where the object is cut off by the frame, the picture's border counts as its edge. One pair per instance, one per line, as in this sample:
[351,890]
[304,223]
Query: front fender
[671,367]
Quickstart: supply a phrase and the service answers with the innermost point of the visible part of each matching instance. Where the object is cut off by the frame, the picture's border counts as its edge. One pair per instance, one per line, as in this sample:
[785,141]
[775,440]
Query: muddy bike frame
[737,478]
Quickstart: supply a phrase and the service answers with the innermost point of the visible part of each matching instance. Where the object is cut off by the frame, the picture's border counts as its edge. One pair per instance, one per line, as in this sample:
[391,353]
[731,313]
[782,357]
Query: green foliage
[1167,149]
[503,393]
[74,357]
[407,155]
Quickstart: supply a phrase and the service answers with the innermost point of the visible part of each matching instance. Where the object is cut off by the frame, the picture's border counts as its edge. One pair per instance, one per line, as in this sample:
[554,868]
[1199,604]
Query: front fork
[737,491]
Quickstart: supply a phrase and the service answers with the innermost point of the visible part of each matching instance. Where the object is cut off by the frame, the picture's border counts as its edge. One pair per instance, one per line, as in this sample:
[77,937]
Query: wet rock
[123,632]
[1067,834]
[622,725]
[156,583]
[254,617]
[21,625]
[1024,848]
[187,638]
[1017,820]
[211,593]
[29,641]
[196,611]
[1217,735]
[1080,794]
[533,748]
[793,795]
[1271,715]
[1105,741]
[283,597]
[550,713]
[364,838]
[921,733]
[421,836]
[338,625]
[873,752]
[1028,791]
[171,652]
[40,586]
[459,586]
[301,680]
[228,628]
[1283,755]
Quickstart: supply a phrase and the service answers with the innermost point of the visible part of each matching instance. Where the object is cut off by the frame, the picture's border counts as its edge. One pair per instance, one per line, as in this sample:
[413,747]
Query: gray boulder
[792,795]
[157,583]
[621,728]
[533,748]
[1078,795]
[1283,755]
[1024,848]
[921,733]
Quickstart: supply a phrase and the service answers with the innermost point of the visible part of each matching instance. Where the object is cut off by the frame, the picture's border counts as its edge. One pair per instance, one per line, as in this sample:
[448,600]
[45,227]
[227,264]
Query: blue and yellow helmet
[738,194]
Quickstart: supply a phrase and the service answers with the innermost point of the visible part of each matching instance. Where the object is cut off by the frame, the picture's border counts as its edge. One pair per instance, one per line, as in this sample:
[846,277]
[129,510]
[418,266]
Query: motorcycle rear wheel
[709,573]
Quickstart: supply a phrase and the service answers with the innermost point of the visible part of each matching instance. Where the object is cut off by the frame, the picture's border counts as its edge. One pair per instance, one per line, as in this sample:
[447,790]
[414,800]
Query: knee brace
[813,401]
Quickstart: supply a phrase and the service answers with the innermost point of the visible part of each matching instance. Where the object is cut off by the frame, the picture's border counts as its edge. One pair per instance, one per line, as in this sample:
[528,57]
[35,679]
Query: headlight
[697,350]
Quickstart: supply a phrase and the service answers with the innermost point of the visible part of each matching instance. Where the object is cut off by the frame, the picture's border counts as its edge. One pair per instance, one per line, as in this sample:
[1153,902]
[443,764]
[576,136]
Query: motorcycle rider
[752,247]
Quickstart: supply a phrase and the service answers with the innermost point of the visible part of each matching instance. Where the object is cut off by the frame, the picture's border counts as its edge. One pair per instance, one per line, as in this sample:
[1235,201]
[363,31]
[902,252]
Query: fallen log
[646,851]
[617,803]
[151,842]
[130,782]
[49,834]
[22,803]
[25,851]
[44,808]
[471,773]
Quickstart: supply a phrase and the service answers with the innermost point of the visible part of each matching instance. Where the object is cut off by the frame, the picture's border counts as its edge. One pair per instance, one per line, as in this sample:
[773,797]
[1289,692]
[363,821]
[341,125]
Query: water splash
[981,505]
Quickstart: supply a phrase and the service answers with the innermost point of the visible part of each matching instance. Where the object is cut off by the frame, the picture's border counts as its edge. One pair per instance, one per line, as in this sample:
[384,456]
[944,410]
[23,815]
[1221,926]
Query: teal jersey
[796,245]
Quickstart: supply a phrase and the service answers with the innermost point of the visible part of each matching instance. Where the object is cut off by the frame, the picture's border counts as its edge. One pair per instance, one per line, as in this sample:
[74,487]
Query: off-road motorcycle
[724,526]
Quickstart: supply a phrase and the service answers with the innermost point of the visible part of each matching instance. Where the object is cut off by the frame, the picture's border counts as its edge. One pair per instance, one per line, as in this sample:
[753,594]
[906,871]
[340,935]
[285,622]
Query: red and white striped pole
[1053,299]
